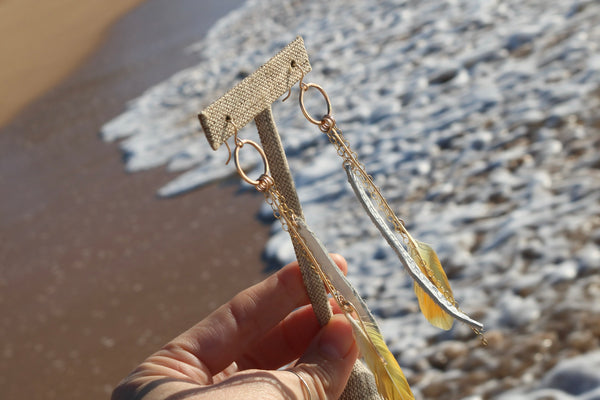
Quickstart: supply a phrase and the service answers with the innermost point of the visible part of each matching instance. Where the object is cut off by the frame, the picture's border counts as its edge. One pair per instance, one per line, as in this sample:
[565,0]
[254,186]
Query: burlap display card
[254,94]
[252,99]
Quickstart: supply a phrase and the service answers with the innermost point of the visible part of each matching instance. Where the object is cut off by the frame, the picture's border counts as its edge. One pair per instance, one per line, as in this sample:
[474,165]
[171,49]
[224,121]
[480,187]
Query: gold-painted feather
[420,260]
[429,263]
[390,380]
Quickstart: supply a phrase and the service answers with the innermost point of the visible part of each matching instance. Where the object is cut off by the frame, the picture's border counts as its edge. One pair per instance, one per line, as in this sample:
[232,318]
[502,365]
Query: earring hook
[236,140]
[294,64]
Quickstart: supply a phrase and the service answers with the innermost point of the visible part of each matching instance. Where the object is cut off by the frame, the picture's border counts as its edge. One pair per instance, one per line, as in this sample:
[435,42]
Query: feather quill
[422,264]
[390,380]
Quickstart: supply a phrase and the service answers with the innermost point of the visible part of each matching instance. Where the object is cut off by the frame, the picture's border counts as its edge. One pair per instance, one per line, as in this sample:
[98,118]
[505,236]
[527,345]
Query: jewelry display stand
[249,100]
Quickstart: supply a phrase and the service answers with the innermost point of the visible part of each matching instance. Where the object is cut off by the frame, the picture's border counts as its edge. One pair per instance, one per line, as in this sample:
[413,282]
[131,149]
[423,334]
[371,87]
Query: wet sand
[96,271]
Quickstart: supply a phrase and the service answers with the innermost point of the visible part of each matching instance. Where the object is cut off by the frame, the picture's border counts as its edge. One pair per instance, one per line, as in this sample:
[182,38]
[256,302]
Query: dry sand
[95,271]
[41,42]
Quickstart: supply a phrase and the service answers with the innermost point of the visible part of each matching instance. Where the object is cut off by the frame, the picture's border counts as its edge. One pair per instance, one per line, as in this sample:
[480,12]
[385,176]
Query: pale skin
[237,352]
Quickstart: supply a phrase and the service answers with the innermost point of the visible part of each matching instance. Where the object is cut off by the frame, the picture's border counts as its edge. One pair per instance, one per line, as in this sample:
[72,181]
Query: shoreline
[98,272]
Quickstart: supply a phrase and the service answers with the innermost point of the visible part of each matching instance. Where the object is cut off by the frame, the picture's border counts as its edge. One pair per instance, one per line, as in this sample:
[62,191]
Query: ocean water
[480,122]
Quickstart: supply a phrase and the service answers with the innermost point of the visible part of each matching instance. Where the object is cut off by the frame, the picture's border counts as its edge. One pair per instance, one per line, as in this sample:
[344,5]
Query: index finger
[226,334]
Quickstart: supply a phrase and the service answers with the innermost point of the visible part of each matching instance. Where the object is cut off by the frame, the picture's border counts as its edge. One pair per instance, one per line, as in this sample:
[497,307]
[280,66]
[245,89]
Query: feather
[421,263]
[432,268]
[390,380]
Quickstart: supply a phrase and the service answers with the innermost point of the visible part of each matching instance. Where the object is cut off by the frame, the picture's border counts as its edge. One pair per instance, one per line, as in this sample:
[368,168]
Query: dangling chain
[288,219]
[289,223]
[328,125]
[281,211]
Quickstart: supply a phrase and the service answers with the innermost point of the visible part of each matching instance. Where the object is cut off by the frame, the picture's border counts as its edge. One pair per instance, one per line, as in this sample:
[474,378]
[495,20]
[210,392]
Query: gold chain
[328,125]
[349,156]
[281,211]
[288,220]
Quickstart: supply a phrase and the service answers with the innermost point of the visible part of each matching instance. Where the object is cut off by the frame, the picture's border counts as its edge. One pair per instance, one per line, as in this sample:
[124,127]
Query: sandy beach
[96,271]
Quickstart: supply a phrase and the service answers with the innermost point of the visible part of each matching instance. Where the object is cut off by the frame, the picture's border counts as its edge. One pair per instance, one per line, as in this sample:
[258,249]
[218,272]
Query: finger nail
[337,338]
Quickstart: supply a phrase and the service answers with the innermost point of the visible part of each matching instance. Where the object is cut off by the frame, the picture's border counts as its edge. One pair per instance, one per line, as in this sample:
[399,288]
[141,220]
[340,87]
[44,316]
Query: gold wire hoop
[305,88]
[236,158]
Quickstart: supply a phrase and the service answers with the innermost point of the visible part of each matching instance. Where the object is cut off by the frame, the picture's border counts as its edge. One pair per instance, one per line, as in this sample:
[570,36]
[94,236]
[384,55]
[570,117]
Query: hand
[236,352]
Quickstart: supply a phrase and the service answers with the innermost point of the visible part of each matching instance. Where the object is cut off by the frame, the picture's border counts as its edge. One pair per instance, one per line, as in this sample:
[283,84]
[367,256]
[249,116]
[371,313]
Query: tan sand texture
[41,42]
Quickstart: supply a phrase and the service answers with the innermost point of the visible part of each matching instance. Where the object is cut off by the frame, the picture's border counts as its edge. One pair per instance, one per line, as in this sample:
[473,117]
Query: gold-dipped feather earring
[431,285]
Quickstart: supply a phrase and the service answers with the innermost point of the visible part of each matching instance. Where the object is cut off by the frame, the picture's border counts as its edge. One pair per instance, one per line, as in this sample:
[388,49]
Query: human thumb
[326,365]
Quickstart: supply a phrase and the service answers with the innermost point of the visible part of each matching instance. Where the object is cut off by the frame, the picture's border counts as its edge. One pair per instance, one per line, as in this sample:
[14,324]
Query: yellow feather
[390,380]
[434,271]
